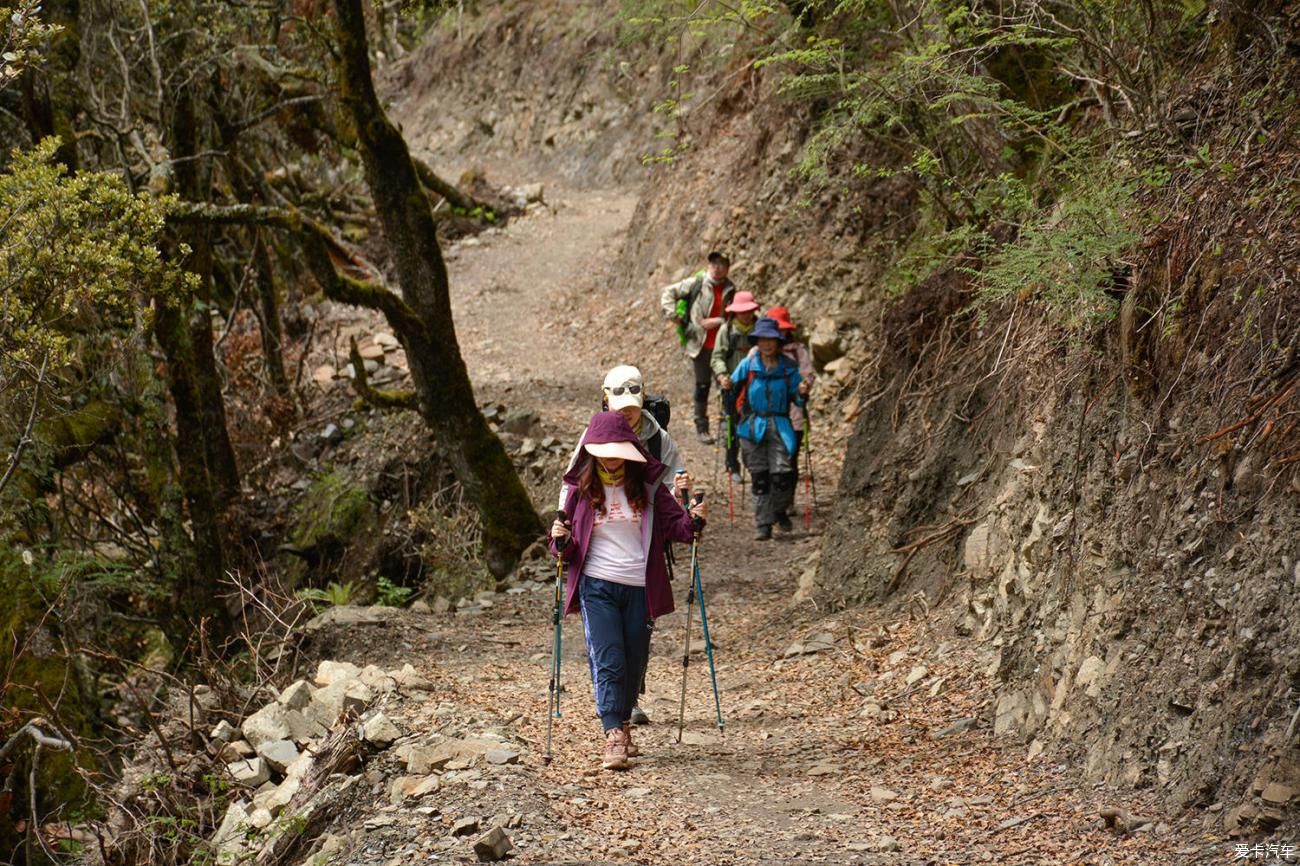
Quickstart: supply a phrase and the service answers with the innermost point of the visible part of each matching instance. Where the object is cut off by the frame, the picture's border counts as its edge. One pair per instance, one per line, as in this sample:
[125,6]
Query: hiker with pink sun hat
[730,349]
[617,521]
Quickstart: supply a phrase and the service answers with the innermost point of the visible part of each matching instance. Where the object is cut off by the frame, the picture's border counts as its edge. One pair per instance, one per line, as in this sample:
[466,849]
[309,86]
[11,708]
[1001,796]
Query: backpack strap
[743,407]
[655,445]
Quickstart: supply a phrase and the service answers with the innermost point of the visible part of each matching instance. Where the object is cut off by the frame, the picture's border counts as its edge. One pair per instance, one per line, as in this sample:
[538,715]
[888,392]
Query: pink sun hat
[743,302]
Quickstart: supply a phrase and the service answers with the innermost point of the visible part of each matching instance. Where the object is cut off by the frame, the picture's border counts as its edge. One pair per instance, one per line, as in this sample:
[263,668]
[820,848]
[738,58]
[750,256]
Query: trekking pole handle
[561,543]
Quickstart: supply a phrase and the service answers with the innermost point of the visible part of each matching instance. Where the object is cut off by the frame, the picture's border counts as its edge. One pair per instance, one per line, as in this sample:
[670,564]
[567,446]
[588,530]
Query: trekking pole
[731,498]
[810,484]
[704,622]
[717,450]
[686,650]
[557,644]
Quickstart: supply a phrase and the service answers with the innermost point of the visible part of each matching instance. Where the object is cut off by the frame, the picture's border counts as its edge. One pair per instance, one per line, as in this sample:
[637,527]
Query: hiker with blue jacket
[698,304]
[620,520]
[766,385]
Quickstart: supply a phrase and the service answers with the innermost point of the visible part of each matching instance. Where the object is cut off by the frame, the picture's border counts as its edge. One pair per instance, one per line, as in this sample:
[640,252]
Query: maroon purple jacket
[666,521]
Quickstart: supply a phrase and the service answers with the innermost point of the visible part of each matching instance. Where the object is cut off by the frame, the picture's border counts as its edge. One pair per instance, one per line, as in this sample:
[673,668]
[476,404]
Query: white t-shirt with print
[615,553]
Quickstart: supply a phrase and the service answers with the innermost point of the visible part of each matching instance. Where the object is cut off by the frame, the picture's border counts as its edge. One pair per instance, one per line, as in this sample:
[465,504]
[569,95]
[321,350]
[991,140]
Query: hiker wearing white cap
[620,521]
[624,392]
[697,304]
[728,352]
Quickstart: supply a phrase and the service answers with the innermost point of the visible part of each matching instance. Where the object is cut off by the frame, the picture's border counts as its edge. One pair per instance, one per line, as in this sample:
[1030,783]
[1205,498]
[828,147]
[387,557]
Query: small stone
[375,677]
[304,729]
[330,672]
[296,696]
[882,795]
[464,827]
[501,756]
[421,606]
[371,352]
[1278,793]
[492,845]
[250,773]
[409,678]
[380,730]
[636,793]
[229,840]
[441,605]
[260,818]
[278,753]
[324,375]
[887,843]
[916,674]
[267,724]
[236,751]
[332,434]
[224,732]
[960,726]
[388,341]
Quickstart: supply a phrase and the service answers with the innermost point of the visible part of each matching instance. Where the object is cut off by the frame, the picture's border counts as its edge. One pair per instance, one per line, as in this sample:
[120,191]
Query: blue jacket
[769,396]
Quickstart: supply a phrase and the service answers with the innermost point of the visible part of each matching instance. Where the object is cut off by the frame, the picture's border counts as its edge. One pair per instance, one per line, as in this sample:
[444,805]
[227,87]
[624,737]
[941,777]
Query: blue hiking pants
[616,626]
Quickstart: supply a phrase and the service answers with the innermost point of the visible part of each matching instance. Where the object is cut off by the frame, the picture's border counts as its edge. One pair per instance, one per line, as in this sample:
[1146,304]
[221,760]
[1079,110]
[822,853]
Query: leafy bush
[390,594]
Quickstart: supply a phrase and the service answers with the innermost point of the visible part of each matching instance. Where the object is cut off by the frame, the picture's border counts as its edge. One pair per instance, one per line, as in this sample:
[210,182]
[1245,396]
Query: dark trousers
[703,381]
[731,419]
[616,626]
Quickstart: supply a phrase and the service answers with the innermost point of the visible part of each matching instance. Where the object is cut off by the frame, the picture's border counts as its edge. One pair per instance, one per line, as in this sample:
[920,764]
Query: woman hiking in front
[621,520]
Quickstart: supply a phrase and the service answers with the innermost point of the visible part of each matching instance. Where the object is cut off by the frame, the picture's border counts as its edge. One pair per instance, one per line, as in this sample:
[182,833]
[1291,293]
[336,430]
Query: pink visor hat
[743,302]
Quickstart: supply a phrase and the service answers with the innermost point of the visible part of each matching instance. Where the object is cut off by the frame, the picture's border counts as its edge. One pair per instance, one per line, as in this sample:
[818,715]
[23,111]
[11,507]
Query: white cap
[623,376]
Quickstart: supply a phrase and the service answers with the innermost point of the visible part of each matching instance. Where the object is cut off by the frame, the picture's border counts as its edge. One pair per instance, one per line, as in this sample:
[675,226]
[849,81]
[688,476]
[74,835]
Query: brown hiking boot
[632,750]
[615,755]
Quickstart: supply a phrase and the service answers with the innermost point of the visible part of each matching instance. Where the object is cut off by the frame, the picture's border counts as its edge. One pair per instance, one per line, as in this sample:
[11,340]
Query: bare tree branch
[25,439]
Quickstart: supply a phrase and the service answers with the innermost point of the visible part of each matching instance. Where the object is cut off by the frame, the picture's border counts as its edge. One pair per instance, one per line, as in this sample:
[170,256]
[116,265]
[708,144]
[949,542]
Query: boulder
[236,751]
[250,773]
[423,759]
[351,696]
[492,845]
[267,724]
[411,788]
[501,756]
[279,754]
[380,730]
[824,343]
[224,732]
[464,827]
[522,422]
[230,840]
[375,677]
[330,672]
[296,696]
[304,729]
[409,678]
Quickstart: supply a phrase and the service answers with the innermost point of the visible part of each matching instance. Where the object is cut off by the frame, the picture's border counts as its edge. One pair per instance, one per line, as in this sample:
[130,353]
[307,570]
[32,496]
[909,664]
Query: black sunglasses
[618,390]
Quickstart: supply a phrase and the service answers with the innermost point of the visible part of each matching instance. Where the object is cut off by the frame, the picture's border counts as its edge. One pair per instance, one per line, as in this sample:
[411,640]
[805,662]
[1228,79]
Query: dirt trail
[849,739]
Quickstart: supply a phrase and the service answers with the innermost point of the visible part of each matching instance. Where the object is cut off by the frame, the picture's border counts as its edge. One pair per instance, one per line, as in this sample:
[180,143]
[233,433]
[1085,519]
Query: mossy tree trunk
[442,382]
[269,317]
[183,328]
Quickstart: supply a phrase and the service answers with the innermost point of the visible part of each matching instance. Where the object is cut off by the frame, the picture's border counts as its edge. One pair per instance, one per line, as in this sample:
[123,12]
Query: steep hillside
[1110,510]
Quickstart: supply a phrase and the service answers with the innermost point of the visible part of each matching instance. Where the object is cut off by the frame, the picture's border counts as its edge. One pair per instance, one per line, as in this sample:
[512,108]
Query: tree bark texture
[447,402]
[206,459]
